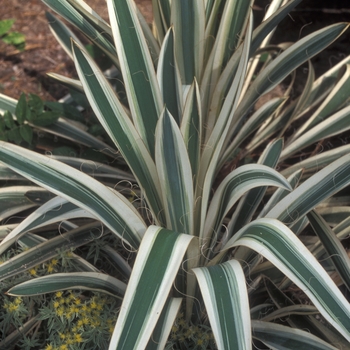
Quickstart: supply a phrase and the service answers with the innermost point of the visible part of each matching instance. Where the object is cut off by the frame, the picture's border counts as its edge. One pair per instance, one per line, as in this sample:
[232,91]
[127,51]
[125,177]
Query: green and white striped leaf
[332,103]
[251,200]
[332,245]
[62,33]
[119,127]
[191,126]
[285,63]
[94,281]
[55,210]
[137,69]
[13,200]
[333,125]
[47,250]
[157,263]
[313,191]
[165,322]
[277,243]
[169,79]
[225,297]
[115,211]
[188,20]
[85,25]
[175,175]
[277,336]
[234,186]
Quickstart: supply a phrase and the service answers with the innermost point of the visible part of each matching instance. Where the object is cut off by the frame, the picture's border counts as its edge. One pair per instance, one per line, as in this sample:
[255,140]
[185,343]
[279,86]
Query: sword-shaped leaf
[114,210]
[157,263]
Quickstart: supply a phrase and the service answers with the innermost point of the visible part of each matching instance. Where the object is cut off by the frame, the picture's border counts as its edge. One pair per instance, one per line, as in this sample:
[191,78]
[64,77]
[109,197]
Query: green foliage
[12,38]
[218,248]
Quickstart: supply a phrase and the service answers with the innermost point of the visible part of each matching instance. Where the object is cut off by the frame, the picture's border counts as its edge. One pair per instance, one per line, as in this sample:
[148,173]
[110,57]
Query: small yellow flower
[32,271]
[80,323]
[59,294]
[93,304]
[54,262]
[77,301]
[13,307]
[63,347]
[78,338]
[56,304]
[49,347]
[18,301]
[85,320]
[50,268]
[60,311]
[62,336]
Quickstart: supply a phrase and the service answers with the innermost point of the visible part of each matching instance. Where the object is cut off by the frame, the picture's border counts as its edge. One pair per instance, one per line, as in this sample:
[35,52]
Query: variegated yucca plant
[227,229]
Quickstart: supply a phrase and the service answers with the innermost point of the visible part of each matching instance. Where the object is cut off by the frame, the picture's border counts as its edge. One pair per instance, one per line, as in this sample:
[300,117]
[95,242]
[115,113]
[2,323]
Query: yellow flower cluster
[82,314]
[13,306]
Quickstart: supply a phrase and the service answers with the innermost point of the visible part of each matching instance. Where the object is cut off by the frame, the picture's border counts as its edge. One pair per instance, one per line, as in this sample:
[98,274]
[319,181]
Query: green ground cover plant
[176,213]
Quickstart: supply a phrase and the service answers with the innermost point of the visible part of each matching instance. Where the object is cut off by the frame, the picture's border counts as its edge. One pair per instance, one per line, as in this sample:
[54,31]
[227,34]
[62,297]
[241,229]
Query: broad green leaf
[226,300]
[115,211]
[119,127]
[274,241]
[22,110]
[313,191]
[332,245]
[95,281]
[280,337]
[137,69]
[157,263]
[5,25]
[175,175]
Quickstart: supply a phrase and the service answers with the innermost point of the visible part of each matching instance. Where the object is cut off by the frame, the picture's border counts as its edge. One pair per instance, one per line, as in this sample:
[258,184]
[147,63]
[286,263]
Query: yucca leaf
[165,323]
[282,248]
[332,103]
[57,209]
[191,126]
[137,69]
[157,263]
[332,245]
[187,18]
[228,73]
[225,297]
[333,125]
[119,127]
[174,171]
[95,281]
[72,15]
[284,64]
[233,187]
[115,211]
[249,203]
[314,163]
[313,191]
[280,337]
[169,79]
[13,200]
[62,33]
[48,249]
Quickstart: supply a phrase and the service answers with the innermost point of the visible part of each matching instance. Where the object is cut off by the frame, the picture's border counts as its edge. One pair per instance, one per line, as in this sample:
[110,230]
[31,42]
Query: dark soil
[26,71]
